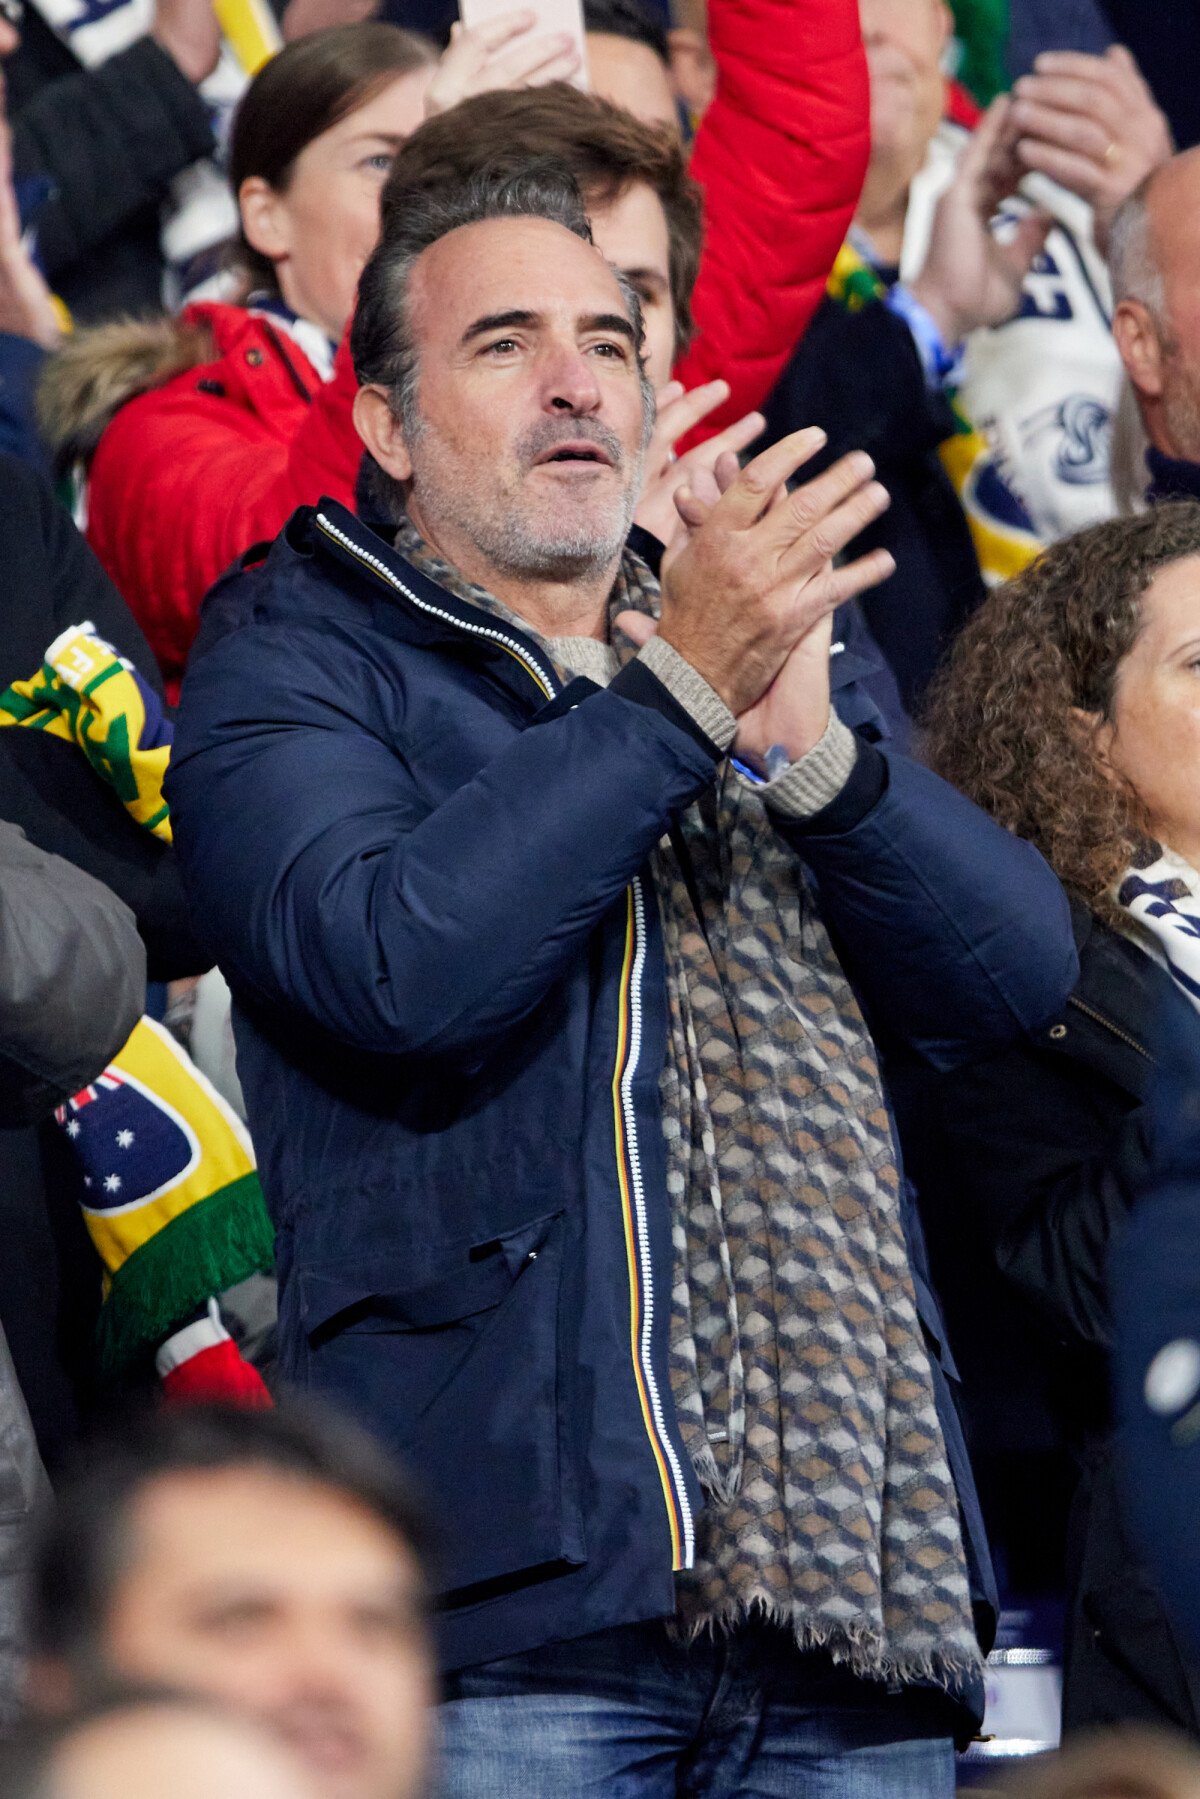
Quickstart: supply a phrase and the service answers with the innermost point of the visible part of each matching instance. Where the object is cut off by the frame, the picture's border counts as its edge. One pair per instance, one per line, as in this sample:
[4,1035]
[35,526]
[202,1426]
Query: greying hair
[1131,265]
[381,339]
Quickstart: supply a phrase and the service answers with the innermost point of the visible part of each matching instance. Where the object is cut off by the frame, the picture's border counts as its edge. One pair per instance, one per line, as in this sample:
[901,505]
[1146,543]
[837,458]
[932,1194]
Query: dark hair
[80,1553]
[380,336]
[604,150]
[1000,718]
[304,91]
[628,19]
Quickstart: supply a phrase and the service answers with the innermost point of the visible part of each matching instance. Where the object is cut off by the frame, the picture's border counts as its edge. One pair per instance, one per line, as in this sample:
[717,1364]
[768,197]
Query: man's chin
[567,542]
[336,1755]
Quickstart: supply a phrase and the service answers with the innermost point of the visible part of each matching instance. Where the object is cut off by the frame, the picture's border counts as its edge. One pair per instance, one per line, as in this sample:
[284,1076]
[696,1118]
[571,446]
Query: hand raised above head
[970,276]
[26,307]
[507,51]
[189,33]
[1091,124]
[757,571]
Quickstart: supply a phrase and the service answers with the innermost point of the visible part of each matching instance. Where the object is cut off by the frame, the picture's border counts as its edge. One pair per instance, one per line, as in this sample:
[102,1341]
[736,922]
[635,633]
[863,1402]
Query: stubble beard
[519,533]
[1181,403]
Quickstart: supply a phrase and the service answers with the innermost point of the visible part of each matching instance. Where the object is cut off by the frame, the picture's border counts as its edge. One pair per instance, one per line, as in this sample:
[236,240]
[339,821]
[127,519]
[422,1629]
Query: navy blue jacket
[423,867]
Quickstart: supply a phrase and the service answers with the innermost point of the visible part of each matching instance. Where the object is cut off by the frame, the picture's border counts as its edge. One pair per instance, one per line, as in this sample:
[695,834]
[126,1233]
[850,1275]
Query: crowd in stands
[599,897]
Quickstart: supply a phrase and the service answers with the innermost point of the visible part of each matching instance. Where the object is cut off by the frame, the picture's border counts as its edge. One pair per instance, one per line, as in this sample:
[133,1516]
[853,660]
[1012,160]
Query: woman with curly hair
[1070,710]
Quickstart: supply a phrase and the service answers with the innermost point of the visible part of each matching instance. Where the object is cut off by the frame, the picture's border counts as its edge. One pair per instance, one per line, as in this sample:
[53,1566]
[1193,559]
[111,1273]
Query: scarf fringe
[856,1647]
[723,1488]
[219,1241]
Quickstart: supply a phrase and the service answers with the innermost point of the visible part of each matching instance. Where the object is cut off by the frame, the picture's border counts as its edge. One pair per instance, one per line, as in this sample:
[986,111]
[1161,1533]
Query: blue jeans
[632,1713]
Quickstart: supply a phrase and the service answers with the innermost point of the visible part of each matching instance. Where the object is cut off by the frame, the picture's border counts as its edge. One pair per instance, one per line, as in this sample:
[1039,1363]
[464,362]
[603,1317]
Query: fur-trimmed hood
[95,371]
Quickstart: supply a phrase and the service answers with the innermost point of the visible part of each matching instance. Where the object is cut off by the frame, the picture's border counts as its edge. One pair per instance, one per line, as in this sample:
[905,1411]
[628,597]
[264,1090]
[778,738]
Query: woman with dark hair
[1070,710]
[202,433]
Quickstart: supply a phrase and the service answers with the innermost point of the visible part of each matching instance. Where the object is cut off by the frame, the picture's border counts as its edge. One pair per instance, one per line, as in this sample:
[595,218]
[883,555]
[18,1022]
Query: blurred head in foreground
[1113,1764]
[269,1560]
[147,1747]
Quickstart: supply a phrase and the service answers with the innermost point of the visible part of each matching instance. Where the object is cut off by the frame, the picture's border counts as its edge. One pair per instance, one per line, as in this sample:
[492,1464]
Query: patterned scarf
[799,1370]
[1162,900]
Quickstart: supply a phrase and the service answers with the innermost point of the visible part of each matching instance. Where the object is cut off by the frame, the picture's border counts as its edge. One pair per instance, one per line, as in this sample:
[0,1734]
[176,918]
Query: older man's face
[1175,239]
[531,417]
[904,41]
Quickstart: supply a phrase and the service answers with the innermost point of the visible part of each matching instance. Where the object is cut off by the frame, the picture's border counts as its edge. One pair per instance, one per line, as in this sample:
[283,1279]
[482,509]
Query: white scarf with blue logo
[1162,902]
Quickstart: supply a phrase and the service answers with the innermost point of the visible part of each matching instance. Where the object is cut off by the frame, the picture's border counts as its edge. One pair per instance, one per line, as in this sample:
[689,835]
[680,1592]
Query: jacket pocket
[459,1375]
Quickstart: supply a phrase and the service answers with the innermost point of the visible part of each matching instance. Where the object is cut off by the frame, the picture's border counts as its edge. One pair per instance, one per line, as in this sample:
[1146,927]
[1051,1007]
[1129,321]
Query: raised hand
[497,54]
[26,306]
[302,17]
[756,574]
[188,31]
[1091,124]
[678,413]
[970,276]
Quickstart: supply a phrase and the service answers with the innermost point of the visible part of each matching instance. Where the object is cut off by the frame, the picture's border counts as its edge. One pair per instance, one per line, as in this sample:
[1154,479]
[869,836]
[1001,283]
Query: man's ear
[382,432]
[265,218]
[1140,346]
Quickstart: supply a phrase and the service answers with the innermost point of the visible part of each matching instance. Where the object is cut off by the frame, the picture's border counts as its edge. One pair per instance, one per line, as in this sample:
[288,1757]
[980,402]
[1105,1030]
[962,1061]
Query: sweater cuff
[690,690]
[814,782]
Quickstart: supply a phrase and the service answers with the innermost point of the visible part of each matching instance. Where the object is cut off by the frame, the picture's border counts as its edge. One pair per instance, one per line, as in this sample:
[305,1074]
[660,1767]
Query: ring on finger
[1112,152]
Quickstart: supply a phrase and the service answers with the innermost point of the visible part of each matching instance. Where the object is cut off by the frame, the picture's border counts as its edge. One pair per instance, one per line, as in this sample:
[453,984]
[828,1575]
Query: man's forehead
[499,266]
[1173,201]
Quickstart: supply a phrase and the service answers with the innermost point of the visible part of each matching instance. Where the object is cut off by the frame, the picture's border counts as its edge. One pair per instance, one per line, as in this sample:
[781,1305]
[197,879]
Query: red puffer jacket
[189,475]
[781,155]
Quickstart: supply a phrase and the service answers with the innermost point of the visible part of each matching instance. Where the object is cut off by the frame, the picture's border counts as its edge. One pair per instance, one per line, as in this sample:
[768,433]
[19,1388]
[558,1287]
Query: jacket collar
[1171,477]
[427,610]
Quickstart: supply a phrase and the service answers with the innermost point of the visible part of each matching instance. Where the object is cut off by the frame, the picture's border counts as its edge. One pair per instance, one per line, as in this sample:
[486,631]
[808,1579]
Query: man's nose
[569,382]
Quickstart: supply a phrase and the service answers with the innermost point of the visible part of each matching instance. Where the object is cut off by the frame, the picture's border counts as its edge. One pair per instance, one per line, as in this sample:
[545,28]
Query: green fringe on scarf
[209,1247]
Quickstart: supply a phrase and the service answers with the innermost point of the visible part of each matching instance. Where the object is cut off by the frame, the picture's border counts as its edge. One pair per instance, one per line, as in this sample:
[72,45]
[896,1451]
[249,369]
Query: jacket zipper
[679,1510]
[515,649]
[1090,1011]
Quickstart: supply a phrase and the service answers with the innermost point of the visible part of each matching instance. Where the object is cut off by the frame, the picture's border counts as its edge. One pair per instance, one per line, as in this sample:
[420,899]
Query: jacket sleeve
[1156,1302]
[111,140]
[781,154]
[956,934]
[328,886]
[183,483]
[72,978]
[1045,1176]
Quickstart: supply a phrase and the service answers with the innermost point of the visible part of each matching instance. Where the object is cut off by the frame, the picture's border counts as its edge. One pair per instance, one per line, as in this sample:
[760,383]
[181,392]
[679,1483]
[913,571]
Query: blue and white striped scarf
[1163,904]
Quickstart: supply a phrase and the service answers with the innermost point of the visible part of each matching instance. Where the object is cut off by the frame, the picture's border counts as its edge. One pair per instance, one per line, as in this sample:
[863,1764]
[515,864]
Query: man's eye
[501,344]
[615,350]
